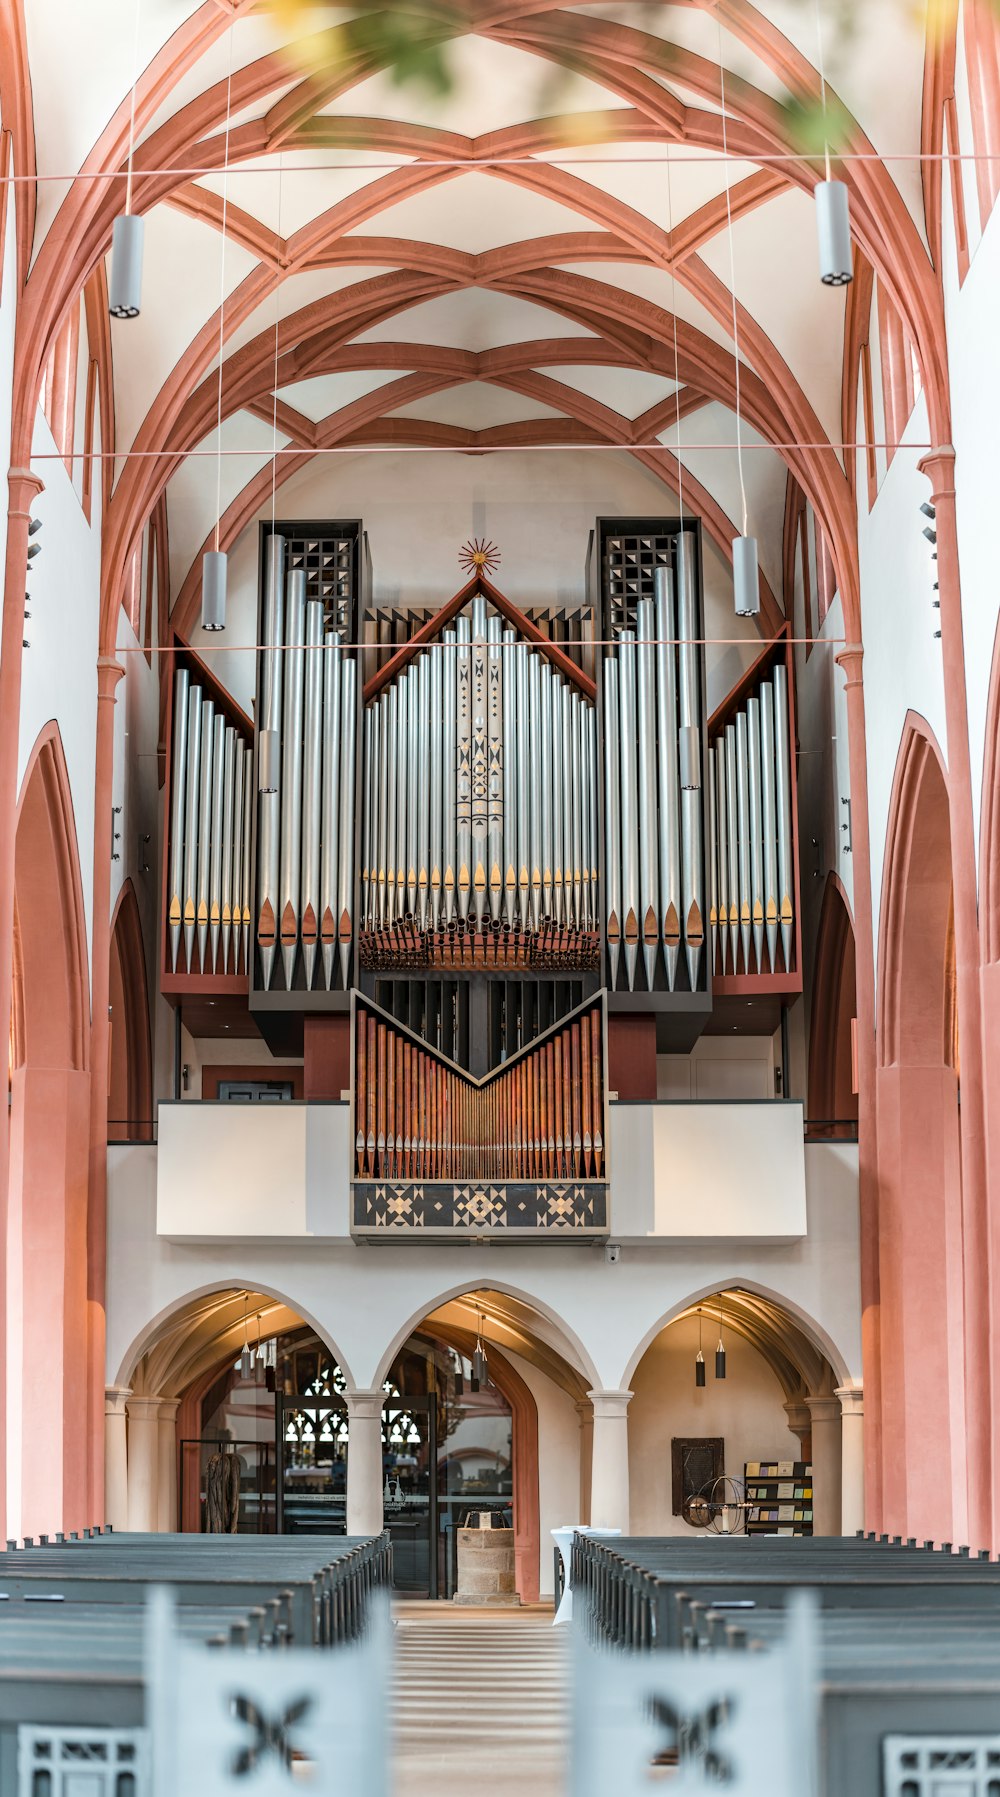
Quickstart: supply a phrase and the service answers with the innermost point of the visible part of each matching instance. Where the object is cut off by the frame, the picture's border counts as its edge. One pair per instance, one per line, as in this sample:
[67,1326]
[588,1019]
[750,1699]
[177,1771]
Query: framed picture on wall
[696,1462]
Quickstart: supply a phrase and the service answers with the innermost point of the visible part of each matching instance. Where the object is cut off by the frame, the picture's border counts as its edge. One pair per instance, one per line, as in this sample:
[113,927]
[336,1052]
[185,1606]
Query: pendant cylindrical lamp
[833,224]
[125,287]
[746,580]
[268,758]
[720,1361]
[689,757]
[214,569]
[699,1368]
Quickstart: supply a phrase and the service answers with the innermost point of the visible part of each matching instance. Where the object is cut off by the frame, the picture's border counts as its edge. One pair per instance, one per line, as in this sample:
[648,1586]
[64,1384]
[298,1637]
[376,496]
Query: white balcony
[694,1172]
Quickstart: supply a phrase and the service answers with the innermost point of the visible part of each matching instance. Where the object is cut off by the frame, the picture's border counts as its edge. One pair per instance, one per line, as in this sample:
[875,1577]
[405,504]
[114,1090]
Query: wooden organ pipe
[418,1116]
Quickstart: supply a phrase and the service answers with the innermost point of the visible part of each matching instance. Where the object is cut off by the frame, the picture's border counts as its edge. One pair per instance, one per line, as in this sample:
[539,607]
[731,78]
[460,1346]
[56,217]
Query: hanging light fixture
[720,1352]
[699,1359]
[246,1358]
[215,562]
[261,1355]
[480,1369]
[746,583]
[125,285]
[833,210]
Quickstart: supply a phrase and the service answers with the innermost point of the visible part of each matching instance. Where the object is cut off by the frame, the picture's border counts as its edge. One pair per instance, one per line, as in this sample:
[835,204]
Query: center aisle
[479,1703]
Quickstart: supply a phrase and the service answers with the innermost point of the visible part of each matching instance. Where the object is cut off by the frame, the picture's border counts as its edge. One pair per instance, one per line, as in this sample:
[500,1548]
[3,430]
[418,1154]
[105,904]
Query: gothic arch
[833,1095]
[923,1437]
[130,1069]
[48,1310]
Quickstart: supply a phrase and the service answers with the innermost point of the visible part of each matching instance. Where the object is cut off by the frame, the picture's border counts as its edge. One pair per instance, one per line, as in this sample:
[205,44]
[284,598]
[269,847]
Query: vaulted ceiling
[540,258]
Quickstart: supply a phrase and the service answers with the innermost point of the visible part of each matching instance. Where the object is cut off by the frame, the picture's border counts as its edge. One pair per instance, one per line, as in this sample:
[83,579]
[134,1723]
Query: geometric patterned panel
[941,1765]
[420,1208]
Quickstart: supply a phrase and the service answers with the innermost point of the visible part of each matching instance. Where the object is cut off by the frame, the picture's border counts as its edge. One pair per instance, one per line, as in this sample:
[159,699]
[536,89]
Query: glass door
[311,1438]
[409,1492]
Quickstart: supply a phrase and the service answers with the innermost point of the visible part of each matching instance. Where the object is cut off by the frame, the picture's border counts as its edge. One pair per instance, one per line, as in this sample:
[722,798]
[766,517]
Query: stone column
[364,1462]
[609,1496]
[116,1456]
[800,1425]
[166,1465]
[825,1413]
[852,1454]
[585,1411]
[143,1464]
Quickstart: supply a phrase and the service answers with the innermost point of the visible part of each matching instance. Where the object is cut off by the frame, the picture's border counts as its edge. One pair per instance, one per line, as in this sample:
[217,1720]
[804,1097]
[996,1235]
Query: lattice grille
[330,564]
[630,563]
[941,1765]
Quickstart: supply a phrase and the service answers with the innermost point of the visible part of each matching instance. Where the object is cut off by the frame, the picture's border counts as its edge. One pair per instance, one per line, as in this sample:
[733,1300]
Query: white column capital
[610,1403]
[115,1399]
[363,1405]
[145,1409]
[852,1399]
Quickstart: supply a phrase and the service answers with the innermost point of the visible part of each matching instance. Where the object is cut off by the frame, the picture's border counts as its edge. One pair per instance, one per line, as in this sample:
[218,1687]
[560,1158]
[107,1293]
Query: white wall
[418,510]
[745,1409]
[365,1298]
[719,1067]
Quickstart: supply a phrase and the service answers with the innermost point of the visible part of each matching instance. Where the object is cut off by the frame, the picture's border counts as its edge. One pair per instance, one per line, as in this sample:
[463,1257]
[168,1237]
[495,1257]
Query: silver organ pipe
[345,855]
[289,890]
[382,847]
[732,844]
[312,787]
[713,860]
[329,828]
[629,802]
[751,842]
[655,873]
[205,828]
[207,852]
[566,766]
[783,801]
[612,820]
[770,827]
[546,772]
[535,790]
[649,929]
[743,832]
[721,849]
[509,780]
[271,708]
[236,886]
[756,833]
[228,800]
[463,768]
[490,796]
[245,874]
[576,781]
[175,915]
[523,801]
[668,773]
[436,839]
[689,713]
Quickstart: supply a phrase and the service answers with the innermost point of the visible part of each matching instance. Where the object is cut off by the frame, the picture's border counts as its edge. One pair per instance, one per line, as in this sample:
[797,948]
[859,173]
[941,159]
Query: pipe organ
[752,876]
[209,891]
[653,819]
[305,897]
[475,844]
[480,800]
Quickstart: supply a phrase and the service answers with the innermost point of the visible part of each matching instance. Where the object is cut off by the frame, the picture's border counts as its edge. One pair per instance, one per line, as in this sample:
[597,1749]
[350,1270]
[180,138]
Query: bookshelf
[779,1497]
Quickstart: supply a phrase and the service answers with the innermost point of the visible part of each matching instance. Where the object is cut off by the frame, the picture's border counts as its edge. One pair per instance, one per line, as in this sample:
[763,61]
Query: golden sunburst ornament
[477,556]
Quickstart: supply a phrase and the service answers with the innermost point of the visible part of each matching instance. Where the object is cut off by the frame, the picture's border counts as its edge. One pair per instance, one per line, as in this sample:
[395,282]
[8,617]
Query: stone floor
[479,1703]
